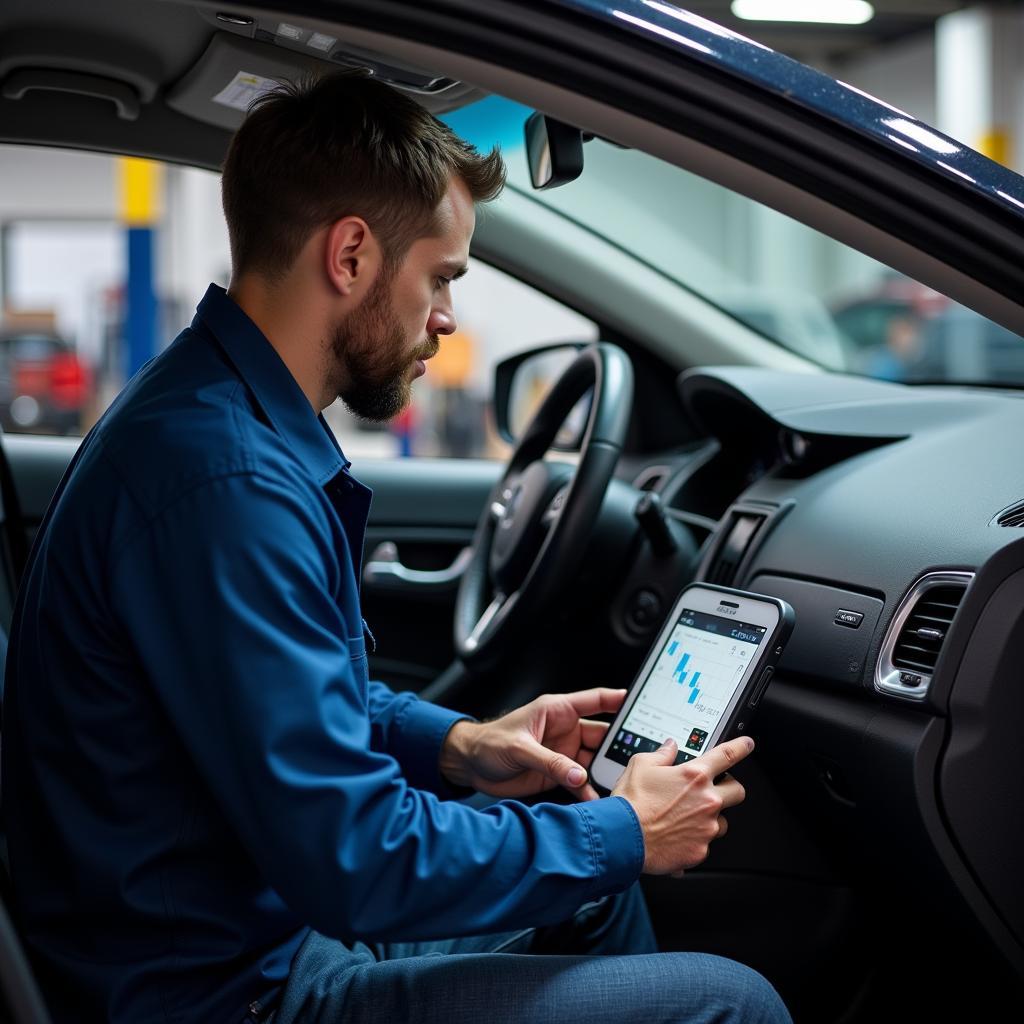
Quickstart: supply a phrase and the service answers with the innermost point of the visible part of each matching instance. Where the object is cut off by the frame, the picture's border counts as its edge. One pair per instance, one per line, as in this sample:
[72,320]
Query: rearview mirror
[522,382]
[554,150]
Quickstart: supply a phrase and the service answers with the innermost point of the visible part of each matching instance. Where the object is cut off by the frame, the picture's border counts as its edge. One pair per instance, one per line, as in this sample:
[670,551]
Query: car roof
[667,26]
[158,52]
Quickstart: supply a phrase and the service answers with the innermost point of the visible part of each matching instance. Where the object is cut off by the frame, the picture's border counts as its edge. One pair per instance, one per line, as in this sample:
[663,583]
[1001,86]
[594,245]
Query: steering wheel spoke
[554,510]
[491,612]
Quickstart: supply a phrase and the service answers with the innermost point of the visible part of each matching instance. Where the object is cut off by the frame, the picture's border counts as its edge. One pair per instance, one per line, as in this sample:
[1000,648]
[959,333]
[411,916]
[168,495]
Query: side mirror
[523,381]
[554,150]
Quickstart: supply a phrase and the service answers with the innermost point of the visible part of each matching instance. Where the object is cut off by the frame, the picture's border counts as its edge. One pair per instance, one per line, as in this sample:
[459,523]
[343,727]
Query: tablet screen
[690,686]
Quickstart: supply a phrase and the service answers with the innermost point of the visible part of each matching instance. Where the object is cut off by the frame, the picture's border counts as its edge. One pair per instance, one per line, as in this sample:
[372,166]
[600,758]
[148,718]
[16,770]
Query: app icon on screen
[697,738]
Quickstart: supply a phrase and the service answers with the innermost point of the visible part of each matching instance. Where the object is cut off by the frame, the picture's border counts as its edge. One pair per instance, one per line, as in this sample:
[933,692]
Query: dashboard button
[848,618]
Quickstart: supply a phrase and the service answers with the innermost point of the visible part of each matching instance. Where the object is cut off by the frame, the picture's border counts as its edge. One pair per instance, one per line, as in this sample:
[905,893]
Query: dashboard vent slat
[1012,516]
[916,646]
[918,631]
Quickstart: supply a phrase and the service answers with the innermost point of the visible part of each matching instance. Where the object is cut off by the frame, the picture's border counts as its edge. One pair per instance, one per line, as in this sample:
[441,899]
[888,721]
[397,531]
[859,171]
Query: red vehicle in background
[44,385]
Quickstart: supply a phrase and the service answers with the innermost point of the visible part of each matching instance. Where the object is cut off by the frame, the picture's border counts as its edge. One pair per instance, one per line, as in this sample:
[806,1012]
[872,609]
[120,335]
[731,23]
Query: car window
[794,285]
[31,347]
[63,343]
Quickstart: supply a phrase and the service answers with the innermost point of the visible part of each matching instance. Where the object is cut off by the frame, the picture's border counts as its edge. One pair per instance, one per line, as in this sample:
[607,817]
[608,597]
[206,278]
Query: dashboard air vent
[1012,516]
[736,540]
[917,632]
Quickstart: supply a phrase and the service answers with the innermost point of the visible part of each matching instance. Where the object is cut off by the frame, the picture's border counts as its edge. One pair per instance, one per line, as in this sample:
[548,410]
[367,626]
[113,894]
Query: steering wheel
[538,519]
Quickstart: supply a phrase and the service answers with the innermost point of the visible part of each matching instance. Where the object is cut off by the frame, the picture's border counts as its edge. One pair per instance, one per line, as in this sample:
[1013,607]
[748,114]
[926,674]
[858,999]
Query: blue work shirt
[196,768]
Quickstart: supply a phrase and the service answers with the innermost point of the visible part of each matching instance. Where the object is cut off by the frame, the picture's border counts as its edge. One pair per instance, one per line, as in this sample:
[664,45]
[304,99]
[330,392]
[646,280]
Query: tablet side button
[766,676]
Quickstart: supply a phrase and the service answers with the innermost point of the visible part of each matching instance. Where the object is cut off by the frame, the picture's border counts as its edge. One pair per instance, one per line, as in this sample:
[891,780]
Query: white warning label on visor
[243,89]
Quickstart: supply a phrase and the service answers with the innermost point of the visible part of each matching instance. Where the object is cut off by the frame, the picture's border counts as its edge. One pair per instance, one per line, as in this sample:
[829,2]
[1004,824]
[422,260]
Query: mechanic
[212,814]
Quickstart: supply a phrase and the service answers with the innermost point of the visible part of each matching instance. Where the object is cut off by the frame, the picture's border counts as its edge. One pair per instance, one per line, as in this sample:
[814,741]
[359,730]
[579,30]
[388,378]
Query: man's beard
[373,359]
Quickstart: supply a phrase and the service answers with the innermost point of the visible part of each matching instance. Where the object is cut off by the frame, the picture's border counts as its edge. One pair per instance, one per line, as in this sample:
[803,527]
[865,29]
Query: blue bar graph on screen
[694,689]
[680,668]
[673,647]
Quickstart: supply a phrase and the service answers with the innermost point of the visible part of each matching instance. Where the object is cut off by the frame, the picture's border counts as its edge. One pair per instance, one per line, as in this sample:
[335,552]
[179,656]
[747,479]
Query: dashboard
[885,515]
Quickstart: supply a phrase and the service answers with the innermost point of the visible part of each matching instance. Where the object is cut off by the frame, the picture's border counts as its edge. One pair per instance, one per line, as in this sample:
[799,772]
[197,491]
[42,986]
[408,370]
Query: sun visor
[233,71]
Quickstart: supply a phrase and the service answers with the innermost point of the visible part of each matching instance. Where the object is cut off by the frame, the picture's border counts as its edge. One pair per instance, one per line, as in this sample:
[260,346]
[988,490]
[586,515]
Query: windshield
[799,288]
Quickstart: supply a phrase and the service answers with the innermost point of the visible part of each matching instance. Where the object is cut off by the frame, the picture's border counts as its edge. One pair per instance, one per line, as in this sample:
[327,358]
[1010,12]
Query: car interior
[873,870]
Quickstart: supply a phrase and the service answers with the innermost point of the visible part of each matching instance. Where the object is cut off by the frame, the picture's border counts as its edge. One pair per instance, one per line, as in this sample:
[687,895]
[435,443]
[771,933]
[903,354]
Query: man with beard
[213,814]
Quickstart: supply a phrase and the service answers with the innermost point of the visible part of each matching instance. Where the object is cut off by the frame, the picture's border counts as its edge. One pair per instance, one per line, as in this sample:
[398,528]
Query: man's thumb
[558,768]
[666,753]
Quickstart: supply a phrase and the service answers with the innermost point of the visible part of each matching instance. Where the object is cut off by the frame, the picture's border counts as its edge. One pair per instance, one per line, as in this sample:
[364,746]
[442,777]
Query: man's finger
[731,792]
[592,733]
[593,702]
[561,770]
[726,755]
[665,754]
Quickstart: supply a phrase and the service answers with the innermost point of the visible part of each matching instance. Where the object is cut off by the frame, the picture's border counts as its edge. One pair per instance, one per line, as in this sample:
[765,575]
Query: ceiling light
[826,12]
[321,41]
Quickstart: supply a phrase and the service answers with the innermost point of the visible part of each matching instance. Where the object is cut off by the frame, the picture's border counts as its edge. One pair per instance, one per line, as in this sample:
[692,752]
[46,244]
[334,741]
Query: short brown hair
[312,152]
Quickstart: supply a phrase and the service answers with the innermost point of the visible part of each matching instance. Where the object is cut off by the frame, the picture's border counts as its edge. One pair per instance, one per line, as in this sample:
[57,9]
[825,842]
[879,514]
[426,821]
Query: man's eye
[442,282]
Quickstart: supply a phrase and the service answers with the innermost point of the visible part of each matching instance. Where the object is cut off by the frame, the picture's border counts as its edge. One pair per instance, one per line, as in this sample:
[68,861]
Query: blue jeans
[600,966]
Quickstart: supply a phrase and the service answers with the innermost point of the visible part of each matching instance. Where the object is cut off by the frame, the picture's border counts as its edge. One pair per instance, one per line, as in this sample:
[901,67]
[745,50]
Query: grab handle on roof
[24,80]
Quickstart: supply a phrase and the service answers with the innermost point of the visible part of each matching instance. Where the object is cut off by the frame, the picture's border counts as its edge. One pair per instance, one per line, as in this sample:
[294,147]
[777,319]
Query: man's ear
[352,255]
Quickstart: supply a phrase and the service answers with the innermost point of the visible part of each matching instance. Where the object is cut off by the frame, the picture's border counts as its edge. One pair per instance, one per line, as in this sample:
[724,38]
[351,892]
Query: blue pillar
[140,301]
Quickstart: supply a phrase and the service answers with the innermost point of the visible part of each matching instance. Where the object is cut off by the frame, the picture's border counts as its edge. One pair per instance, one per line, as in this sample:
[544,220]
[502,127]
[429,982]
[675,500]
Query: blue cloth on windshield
[196,768]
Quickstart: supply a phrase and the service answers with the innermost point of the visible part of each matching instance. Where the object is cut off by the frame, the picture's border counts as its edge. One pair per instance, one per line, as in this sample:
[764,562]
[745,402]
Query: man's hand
[680,806]
[543,744]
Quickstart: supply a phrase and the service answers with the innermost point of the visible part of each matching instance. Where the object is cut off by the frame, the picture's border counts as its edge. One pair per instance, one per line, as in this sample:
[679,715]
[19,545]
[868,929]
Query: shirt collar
[272,384]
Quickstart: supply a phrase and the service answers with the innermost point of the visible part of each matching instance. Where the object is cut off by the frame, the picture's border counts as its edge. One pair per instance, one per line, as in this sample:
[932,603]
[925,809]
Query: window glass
[67,262]
[65,341]
[799,288]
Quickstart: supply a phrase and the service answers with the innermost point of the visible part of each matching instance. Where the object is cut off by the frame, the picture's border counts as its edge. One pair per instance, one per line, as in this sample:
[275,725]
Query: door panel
[426,510]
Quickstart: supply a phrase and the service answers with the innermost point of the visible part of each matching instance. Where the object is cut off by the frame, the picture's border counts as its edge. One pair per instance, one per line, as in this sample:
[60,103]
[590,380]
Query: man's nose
[442,321]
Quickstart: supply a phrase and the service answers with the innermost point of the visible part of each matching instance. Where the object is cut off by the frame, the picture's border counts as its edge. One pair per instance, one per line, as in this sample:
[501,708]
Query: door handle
[385,571]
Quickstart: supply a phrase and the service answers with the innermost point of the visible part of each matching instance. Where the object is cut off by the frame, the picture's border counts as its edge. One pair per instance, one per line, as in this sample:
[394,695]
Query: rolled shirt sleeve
[249,656]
